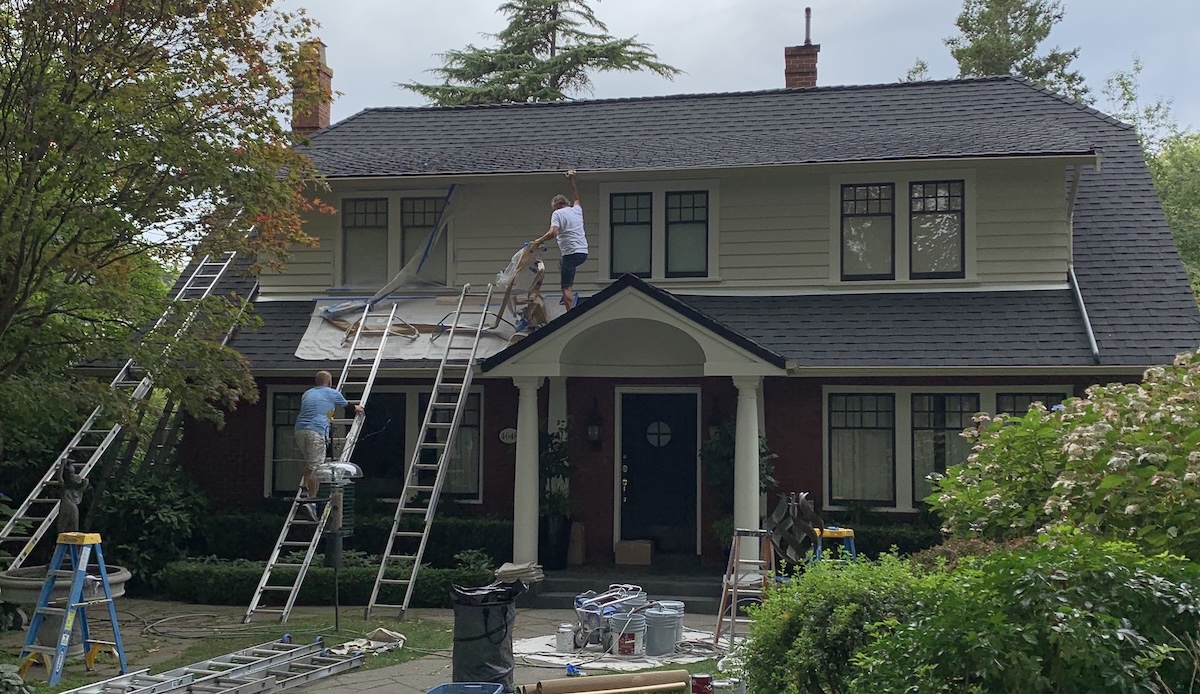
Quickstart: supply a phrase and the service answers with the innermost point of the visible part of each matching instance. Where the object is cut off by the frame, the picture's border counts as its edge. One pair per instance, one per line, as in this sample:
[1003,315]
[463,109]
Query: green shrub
[805,632]
[1074,615]
[232,582]
[1122,463]
[904,538]
[147,519]
[253,535]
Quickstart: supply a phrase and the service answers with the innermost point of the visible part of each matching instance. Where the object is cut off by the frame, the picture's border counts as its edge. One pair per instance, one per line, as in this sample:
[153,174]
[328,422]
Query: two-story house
[852,272]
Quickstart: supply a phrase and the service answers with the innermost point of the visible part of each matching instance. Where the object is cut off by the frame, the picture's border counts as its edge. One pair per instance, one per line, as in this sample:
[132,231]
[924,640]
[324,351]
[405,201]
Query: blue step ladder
[77,549]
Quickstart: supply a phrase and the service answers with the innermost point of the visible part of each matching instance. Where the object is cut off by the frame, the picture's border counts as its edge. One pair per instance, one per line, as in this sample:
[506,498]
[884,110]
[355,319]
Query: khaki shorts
[311,445]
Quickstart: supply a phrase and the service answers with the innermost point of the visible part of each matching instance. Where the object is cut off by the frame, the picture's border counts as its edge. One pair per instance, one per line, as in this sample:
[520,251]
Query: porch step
[699,583]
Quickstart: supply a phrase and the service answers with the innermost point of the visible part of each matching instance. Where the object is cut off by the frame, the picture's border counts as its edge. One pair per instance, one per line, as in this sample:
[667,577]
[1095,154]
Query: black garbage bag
[483,625]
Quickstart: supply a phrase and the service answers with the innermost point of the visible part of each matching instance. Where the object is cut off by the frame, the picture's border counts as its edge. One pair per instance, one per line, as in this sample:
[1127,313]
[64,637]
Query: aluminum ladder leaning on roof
[95,436]
[267,667]
[299,532]
[424,477]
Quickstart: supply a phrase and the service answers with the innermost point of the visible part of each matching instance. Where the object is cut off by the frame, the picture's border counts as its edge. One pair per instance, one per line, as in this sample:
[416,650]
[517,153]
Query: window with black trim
[868,231]
[631,219]
[285,456]
[687,234]
[936,229]
[417,219]
[365,242]
[862,451]
[938,421]
[462,480]
[1019,403]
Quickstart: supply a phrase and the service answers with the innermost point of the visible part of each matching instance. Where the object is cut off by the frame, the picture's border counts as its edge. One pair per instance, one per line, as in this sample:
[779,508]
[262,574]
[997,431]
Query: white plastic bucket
[628,632]
[676,606]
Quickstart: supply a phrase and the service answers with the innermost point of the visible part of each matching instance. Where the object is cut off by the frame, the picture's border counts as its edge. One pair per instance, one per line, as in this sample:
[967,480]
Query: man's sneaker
[311,510]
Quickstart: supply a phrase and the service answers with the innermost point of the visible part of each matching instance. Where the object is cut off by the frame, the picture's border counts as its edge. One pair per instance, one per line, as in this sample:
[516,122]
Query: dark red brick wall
[228,462]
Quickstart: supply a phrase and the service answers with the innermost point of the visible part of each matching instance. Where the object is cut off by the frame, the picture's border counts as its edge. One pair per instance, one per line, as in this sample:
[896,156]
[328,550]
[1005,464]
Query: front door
[659,450]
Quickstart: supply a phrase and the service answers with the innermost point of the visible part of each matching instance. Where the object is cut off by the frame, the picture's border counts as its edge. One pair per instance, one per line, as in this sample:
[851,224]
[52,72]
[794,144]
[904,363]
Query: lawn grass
[423,637]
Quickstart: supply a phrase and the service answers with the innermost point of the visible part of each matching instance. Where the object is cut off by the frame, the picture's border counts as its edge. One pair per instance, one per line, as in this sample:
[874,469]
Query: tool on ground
[593,609]
[300,532]
[77,549]
[407,274]
[434,448]
[267,667]
[37,513]
[745,582]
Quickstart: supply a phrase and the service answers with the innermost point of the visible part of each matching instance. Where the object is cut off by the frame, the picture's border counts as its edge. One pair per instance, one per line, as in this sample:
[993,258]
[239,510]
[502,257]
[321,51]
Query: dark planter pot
[554,538]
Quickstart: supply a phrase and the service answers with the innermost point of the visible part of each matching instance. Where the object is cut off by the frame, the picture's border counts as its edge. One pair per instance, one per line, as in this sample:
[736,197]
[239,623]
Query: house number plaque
[508,436]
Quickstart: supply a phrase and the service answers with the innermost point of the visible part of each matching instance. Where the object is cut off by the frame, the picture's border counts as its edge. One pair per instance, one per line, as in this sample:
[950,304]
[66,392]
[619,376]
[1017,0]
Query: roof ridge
[678,97]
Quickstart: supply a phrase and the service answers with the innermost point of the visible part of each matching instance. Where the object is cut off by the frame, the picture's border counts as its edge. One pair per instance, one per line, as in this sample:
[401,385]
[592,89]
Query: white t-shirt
[569,221]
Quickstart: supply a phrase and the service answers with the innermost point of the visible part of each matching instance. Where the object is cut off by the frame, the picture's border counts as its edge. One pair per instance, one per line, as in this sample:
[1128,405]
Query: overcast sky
[732,45]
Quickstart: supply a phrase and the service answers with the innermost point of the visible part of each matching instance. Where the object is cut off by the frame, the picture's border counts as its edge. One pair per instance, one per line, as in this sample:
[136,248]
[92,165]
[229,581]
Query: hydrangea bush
[1121,462]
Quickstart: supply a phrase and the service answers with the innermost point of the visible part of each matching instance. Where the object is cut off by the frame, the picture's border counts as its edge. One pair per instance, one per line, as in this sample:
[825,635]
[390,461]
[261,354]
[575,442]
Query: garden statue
[70,497]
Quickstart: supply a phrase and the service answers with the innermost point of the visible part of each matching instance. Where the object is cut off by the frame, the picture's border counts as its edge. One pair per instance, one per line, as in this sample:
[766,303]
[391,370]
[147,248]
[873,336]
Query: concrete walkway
[421,675]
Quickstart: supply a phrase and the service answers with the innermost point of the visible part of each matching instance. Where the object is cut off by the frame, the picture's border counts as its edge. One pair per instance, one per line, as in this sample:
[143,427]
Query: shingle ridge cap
[674,97]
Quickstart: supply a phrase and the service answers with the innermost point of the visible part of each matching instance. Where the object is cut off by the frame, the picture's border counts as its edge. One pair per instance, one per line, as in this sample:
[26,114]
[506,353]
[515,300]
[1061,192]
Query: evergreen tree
[1001,37]
[548,52]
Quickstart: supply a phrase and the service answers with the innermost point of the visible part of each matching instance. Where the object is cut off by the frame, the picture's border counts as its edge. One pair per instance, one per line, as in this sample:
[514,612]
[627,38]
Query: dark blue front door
[658,470]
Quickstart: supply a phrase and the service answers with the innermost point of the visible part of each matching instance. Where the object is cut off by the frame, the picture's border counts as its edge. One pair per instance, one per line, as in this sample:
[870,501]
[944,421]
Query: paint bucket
[730,686]
[635,600]
[675,606]
[661,628]
[702,684]
[628,631]
[564,638]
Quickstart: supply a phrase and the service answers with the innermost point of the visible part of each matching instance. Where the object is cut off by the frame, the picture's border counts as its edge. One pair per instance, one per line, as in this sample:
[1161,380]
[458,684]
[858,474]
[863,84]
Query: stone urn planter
[23,586]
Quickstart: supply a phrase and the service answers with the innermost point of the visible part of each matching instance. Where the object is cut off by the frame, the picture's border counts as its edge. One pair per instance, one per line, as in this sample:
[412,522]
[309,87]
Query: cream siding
[775,229]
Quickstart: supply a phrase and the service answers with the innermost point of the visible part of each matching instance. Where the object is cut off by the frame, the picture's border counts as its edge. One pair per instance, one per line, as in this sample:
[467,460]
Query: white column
[745,459]
[525,488]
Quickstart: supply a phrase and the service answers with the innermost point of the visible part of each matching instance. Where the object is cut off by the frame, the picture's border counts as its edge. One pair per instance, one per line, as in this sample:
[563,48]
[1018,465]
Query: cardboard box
[635,552]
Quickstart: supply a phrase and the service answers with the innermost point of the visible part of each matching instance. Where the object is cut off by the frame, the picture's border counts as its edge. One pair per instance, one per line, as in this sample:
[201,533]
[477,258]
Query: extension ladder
[424,477]
[267,667]
[300,532]
[745,581]
[94,437]
[76,548]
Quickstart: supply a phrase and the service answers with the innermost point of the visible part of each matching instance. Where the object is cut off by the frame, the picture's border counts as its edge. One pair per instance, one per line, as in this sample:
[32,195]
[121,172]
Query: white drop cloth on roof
[324,341]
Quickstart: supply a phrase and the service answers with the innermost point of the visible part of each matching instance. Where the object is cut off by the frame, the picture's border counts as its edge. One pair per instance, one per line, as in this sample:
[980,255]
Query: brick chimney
[800,62]
[312,90]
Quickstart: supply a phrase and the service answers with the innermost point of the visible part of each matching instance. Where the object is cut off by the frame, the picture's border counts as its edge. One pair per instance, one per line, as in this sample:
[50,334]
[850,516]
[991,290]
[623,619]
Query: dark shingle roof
[1137,295]
[951,119]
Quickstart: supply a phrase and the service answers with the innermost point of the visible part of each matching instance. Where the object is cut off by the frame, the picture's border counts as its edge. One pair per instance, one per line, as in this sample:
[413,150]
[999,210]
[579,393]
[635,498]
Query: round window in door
[658,434]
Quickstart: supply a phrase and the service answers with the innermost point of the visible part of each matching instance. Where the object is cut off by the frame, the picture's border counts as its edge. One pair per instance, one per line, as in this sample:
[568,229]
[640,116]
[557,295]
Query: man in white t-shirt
[566,226]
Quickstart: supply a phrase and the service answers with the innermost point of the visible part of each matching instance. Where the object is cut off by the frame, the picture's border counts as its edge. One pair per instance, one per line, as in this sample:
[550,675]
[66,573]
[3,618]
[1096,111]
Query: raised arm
[574,190]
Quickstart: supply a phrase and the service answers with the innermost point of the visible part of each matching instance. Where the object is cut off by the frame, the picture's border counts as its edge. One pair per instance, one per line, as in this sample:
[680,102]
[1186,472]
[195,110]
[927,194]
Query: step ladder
[86,591]
[35,516]
[745,582]
[434,447]
[267,667]
[301,533]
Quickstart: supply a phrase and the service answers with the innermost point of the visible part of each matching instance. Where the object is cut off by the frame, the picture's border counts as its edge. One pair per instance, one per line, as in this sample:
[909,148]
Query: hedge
[220,582]
[873,540]
[252,536]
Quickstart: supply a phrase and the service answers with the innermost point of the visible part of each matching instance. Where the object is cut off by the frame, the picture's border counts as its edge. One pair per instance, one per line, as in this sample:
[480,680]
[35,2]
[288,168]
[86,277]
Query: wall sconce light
[594,424]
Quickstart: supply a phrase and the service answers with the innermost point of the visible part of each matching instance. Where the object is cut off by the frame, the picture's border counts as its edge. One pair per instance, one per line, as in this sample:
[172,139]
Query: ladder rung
[51,650]
[269,610]
[440,425]
[410,509]
[395,581]
[277,588]
[286,565]
[409,533]
[427,466]
[295,543]
[437,445]
[420,488]
[401,557]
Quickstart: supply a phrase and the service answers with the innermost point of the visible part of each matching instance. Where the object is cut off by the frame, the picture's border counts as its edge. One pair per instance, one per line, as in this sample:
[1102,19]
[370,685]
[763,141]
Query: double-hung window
[365,242]
[868,231]
[631,218]
[687,234]
[862,451]
[936,225]
[417,219]
[938,421]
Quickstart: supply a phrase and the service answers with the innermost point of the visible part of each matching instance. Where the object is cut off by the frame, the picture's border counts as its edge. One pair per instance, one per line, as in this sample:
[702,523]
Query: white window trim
[412,427]
[394,234]
[658,226]
[903,428]
[901,181]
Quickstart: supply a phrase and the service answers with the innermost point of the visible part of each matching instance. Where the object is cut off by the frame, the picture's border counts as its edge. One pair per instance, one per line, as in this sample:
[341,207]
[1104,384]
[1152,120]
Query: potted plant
[554,508]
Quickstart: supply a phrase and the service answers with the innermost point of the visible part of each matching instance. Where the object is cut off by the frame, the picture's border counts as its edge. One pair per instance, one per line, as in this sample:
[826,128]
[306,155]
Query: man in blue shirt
[317,408]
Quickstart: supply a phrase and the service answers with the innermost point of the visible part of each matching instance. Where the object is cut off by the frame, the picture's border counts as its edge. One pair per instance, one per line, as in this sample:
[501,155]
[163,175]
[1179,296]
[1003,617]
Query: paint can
[730,686]
[661,628]
[628,631]
[564,638]
[702,684]
[676,606]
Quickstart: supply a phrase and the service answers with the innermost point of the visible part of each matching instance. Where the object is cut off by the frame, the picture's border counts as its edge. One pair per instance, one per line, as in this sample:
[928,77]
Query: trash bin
[483,624]
[467,688]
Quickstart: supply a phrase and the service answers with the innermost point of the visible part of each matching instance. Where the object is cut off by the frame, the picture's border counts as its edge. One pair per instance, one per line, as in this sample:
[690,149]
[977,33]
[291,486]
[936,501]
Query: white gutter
[1076,174]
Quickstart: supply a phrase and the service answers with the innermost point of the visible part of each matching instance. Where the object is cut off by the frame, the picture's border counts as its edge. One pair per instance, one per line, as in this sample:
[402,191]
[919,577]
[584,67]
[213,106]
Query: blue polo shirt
[317,407]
